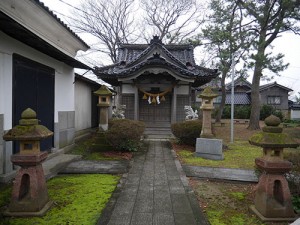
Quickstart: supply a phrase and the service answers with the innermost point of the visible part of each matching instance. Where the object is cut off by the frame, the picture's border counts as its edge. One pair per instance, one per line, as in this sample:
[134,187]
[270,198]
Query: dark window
[274,100]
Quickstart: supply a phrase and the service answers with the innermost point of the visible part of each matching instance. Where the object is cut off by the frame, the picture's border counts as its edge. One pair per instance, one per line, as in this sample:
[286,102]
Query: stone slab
[220,173]
[55,164]
[267,219]
[209,148]
[89,166]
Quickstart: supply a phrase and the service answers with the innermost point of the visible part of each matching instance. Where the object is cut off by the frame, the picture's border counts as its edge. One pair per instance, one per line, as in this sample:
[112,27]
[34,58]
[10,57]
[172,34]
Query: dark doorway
[33,87]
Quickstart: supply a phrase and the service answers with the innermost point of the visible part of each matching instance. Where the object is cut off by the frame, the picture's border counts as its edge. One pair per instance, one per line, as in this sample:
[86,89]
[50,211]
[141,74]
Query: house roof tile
[239,99]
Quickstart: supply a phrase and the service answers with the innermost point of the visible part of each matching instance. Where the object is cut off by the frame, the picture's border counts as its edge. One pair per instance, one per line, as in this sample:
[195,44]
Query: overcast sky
[288,44]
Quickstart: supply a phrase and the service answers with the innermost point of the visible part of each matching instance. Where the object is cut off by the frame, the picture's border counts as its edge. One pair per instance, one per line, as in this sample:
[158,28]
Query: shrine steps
[158,133]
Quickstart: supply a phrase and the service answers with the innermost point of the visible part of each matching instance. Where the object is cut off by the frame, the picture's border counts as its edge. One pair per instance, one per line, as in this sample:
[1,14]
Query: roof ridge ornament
[156,40]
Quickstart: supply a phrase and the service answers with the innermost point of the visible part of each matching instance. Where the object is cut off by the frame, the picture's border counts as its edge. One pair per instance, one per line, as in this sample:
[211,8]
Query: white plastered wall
[64,77]
[83,106]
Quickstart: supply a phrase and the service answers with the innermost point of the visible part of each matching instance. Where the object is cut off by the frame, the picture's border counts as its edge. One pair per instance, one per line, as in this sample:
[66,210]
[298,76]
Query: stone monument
[272,198]
[29,193]
[104,99]
[206,146]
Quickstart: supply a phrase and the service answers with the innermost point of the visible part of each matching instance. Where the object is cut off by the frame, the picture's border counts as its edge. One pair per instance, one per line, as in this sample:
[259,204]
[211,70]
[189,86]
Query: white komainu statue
[119,111]
[190,113]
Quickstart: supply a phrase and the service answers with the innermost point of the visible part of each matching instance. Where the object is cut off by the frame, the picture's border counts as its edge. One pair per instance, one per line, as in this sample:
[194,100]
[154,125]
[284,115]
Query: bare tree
[271,17]
[173,20]
[109,21]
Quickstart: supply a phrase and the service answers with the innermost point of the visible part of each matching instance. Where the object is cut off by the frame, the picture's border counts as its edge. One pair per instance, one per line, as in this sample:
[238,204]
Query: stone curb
[197,211]
[221,173]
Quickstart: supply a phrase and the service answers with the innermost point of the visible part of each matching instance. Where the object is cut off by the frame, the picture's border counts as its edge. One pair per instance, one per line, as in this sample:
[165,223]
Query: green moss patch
[78,199]
[226,203]
[240,154]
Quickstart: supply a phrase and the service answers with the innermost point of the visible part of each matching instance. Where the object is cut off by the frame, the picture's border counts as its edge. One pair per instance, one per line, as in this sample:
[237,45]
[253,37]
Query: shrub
[240,112]
[187,131]
[267,110]
[125,134]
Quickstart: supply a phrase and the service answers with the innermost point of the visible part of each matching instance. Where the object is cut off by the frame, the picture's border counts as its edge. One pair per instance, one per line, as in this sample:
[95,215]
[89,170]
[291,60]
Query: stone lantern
[206,146]
[207,106]
[272,197]
[104,102]
[29,193]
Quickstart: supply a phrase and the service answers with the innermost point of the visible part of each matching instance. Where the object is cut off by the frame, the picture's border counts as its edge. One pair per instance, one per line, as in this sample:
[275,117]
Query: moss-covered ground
[239,154]
[227,203]
[78,199]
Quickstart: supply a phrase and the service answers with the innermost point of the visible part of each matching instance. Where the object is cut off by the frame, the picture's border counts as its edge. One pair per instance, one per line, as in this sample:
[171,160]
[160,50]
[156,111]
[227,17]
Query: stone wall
[65,128]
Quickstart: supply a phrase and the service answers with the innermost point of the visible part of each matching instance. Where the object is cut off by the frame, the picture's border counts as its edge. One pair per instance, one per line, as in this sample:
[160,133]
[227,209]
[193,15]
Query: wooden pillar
[174,105]
[136,104]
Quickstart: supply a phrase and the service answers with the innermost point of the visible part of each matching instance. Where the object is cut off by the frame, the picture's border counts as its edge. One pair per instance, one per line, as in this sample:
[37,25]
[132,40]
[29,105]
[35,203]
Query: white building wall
[295,114]
[64,77]
[183,90]
[5,88]
[128,89]
[83,106]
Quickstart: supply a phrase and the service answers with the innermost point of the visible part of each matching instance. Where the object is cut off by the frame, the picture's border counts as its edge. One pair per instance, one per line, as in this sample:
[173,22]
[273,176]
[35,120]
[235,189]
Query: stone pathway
[156,192]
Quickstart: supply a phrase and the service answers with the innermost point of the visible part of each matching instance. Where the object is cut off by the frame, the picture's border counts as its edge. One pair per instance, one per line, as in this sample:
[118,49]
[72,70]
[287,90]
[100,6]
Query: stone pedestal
[209,148]
[29,194]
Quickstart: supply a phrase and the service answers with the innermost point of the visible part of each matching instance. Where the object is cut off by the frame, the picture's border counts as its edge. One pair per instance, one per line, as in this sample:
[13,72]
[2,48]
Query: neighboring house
[37,61]
[154,81]
[272,94]
[276,95]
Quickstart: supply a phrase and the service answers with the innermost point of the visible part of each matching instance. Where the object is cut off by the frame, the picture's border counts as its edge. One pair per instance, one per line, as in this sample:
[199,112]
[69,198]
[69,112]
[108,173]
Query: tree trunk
[222,104]
[255,96]
[255,103]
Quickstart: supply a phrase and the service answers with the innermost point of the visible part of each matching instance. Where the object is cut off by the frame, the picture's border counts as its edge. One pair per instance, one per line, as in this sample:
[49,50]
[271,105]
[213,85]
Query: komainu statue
[119,111]
[190,113]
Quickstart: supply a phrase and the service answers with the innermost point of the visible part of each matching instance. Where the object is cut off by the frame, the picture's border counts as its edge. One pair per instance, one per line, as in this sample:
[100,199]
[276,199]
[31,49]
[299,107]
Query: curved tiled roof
[60,21]
[136,57]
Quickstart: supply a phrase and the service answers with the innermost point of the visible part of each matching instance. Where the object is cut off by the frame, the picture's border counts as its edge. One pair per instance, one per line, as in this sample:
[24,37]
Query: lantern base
[267,219]
[42,212]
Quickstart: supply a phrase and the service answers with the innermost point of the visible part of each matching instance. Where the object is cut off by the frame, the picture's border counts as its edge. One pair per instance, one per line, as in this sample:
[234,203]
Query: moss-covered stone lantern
[272,197]
[104,101]
[207,106]
[29,194]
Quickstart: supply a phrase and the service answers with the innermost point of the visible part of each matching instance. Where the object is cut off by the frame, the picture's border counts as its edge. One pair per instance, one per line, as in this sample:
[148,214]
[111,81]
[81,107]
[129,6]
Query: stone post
[29,193]
[104,101]
[272,197]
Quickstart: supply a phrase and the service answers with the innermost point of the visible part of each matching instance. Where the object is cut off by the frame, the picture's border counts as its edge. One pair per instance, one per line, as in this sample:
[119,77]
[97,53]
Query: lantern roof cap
[103,91]
[271,136]
[207,93]
[28,128]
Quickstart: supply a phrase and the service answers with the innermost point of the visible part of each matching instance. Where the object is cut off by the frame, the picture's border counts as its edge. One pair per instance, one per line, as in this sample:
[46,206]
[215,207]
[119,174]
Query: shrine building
[155,81]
